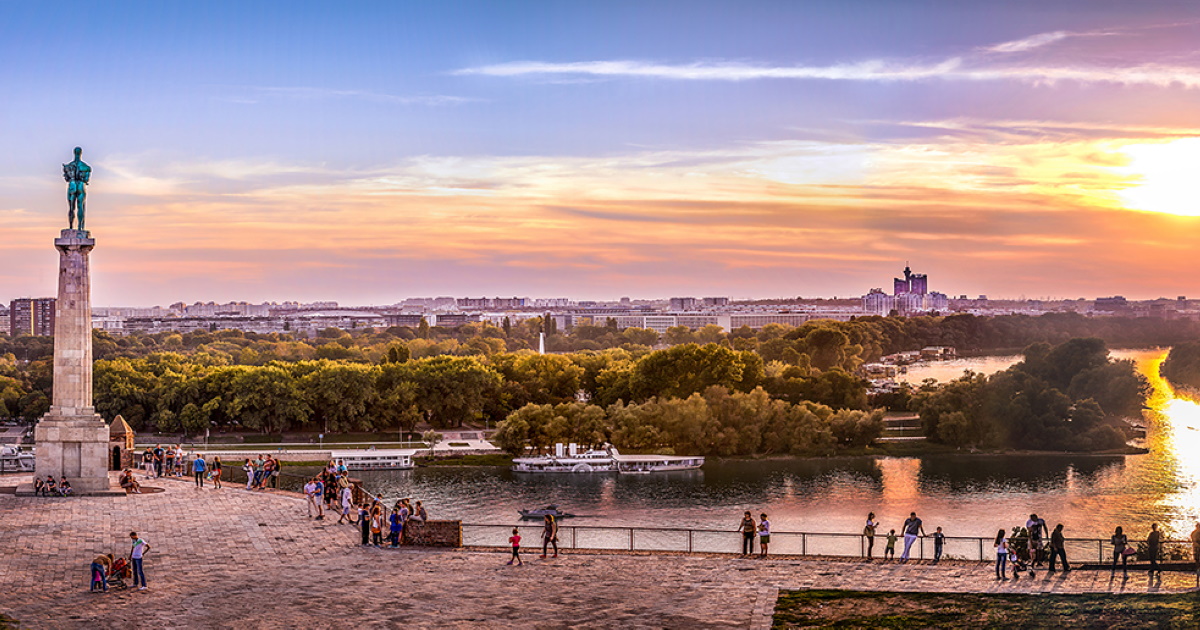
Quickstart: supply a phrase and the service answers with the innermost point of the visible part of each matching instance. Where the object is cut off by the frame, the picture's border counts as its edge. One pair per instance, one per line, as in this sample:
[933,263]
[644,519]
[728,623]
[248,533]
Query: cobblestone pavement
[238,559]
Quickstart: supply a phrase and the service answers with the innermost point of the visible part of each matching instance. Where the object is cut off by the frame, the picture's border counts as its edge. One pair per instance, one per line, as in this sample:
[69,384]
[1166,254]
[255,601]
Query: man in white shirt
[140,547]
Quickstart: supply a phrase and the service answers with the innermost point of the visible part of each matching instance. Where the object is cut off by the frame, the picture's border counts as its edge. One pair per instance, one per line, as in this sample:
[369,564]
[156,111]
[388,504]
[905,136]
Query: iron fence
[608,538]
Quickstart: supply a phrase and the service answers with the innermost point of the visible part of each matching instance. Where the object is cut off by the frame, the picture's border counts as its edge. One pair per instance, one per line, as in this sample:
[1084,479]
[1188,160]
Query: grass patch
[8,623]
[970,611]
[491,459]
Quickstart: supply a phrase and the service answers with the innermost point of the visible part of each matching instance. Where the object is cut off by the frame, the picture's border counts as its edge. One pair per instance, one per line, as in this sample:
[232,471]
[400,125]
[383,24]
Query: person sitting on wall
[39,487]
[52,487]
[129,483]
[64,488]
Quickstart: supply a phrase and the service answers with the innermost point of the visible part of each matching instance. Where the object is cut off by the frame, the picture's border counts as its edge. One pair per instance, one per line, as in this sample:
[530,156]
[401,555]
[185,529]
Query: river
[968,495]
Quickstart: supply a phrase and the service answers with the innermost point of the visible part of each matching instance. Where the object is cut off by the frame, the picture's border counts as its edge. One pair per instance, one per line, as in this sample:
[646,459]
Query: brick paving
[238,559]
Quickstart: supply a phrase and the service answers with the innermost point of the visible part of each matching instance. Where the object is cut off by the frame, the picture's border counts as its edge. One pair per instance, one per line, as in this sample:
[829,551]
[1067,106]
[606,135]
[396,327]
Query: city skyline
[588,151]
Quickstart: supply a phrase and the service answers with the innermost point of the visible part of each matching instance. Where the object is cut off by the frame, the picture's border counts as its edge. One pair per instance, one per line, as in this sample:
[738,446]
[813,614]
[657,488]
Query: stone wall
[433,534]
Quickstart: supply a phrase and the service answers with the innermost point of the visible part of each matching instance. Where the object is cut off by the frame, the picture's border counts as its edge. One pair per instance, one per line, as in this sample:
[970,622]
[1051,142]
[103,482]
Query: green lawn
[858,609]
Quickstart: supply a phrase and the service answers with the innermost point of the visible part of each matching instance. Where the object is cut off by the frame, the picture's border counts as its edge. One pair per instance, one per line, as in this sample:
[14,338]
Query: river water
[968,495]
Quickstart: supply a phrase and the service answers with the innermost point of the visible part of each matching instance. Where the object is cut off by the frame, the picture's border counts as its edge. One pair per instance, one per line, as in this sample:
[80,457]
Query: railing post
[921,549]
[803,544]
[1100,551]
[690,532]
[573,545]
[631,539]
[980,549]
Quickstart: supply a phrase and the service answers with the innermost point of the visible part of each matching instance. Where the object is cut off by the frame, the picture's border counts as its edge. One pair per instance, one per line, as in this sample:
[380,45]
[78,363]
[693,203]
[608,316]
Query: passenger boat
[566,460]
[13,459]
[645,464]
[539,514]
[370,459]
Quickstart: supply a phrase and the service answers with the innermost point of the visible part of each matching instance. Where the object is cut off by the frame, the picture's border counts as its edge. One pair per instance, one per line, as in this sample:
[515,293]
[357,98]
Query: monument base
[75,447]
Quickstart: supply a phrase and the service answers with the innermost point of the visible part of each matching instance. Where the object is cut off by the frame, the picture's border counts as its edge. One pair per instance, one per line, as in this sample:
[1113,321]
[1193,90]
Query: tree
[683,370]
[268,399]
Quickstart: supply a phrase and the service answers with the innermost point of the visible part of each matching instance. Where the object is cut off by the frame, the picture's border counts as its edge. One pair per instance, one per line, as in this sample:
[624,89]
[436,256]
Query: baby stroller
[118,573]
[1018,558]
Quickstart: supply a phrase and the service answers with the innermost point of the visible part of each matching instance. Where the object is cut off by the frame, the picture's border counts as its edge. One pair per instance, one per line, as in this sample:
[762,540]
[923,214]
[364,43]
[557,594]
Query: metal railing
[601,538]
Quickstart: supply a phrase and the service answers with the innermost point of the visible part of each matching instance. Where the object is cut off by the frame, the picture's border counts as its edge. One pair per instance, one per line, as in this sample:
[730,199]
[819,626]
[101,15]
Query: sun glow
[1169,177]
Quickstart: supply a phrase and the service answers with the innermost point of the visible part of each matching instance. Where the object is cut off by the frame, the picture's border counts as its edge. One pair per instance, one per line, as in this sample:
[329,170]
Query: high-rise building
[917,283]
[31,316]
[683,303]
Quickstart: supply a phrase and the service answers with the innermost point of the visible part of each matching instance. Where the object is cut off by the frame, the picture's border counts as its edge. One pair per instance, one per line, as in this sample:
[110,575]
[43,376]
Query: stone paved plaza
[236,559]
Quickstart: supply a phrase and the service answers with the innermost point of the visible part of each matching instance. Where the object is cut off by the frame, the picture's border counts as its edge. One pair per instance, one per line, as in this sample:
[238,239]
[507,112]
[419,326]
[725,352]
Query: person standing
[1154,547]
[515,541]
[318,493]
[1058,548]
[748,528]
[199,467]
[137,555]
[1196,547]
[148,462]
[377,525]
[869,533]
[1001,555]
[764,535]
[1036,528]
[346,504]
[912,528]
[248,468]
[159,453]
[216,477]
[395,527]
[364,523]
[939,540]
[889,549]
[549,535]
[1120,542]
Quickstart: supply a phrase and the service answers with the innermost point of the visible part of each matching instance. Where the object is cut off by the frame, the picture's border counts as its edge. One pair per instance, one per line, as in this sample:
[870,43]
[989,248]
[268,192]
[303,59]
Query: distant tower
[902,286]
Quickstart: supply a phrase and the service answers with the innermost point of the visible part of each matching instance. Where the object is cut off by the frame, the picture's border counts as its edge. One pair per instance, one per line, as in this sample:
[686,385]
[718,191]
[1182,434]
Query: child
[515,539]
[890,550]
[764,535]
[939,539]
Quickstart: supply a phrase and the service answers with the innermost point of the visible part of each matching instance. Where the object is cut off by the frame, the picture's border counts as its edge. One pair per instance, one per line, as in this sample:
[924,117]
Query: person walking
[748,528]
[199,467]
[515,541]
[1154,547]
[1001,555]
[216,472]
[138,555]
[549,535]
[1058,548]
[764,535]
[869,533]
[939,540]
[1120,543]
[912,527]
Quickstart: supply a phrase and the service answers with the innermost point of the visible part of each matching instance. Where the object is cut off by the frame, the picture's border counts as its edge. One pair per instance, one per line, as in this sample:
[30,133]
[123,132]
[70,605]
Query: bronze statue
[77,173]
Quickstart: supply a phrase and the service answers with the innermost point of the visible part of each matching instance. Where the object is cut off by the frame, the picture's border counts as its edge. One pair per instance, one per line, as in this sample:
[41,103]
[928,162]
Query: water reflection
[967,495]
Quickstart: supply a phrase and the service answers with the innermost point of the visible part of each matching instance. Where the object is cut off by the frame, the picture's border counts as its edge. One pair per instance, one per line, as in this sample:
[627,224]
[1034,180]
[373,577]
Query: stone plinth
[72,440]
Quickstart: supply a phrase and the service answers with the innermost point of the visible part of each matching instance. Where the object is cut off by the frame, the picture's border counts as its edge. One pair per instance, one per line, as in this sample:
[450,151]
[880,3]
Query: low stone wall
[433,534]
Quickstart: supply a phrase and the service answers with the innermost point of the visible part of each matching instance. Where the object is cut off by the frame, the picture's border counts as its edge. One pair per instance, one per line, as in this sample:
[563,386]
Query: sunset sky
[365,152]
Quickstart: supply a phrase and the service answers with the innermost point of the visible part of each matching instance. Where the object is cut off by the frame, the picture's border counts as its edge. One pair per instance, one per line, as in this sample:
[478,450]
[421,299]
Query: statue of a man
[77,173]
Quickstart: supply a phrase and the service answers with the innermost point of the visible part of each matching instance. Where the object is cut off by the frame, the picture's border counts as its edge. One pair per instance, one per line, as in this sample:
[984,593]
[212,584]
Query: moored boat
[566,460]
[369,459]
[645,464]
[541,513]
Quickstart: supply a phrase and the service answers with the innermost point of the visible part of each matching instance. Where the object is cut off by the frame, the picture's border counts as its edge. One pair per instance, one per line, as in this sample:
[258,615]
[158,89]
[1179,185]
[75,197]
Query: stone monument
[72,439]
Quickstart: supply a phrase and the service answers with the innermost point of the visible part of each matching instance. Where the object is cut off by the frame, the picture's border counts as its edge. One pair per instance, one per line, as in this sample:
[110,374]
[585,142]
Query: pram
[1018,558]
[118,573]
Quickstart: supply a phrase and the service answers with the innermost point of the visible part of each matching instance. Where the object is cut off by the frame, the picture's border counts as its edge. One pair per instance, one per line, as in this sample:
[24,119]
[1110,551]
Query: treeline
[717,422]
[1067,397]
[1182,367]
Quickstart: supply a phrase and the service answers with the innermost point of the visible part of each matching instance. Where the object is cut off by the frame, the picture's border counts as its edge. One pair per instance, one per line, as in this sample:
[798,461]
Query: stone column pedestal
[72,440]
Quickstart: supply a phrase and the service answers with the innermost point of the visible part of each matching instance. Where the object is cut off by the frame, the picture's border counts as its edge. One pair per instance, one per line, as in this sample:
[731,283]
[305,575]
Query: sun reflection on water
[1174,432]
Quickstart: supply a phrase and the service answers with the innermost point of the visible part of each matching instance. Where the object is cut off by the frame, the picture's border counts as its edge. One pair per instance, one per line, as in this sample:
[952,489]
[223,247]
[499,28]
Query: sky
[365,151]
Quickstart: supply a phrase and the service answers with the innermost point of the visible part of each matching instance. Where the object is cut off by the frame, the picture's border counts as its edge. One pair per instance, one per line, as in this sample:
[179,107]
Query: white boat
[370,459]
[568,460]
[13,459]
[645,464]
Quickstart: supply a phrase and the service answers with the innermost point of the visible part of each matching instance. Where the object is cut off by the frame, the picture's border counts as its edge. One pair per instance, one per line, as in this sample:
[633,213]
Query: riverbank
[236,559]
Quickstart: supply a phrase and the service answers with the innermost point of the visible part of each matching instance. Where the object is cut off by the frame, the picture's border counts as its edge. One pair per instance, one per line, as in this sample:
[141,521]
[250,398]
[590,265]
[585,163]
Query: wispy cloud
[1029,43]
[873,70]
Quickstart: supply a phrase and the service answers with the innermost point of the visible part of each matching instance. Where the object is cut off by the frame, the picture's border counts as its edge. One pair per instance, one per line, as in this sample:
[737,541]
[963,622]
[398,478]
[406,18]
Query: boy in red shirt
[515,539]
